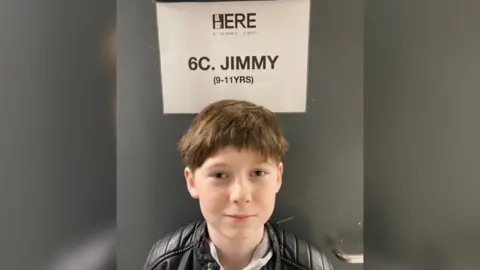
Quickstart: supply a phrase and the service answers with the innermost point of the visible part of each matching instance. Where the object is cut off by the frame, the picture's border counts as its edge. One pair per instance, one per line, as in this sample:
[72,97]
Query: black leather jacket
[187,249]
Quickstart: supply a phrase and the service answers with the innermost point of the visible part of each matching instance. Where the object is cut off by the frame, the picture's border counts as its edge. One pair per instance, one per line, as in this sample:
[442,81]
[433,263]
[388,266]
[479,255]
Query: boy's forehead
[231,154]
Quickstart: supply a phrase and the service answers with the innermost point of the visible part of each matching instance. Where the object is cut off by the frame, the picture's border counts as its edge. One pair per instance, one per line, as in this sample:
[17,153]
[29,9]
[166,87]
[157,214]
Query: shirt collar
[260,257]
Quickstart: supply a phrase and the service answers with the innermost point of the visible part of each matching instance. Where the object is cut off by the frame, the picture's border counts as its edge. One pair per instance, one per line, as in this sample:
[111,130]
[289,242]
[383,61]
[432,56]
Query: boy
[233,154]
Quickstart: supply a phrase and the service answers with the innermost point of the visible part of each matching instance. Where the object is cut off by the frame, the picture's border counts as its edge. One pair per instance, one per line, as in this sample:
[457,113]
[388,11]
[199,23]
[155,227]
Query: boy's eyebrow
[222,164]
[216,165]
[265,163]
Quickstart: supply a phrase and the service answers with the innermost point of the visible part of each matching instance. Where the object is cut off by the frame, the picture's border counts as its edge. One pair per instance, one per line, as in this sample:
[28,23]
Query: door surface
[57,135]
[422,151]
[323,181]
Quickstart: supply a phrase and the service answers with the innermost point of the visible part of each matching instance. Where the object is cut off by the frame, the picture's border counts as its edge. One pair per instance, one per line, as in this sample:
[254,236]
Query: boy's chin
[240,233]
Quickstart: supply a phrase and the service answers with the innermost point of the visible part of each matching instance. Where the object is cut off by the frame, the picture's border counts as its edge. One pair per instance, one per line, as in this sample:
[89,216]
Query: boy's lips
[240,216]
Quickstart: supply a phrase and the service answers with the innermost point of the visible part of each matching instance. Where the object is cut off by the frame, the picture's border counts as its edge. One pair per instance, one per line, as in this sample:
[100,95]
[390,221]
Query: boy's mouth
[240,216]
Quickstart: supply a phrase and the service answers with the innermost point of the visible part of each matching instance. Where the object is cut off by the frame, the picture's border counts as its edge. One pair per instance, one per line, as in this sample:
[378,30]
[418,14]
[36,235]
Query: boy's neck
[235,253]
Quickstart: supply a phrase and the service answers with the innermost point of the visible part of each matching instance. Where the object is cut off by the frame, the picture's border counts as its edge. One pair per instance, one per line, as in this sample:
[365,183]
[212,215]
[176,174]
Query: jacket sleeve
[168,252]
[159,251]
[320,260]
[151,258]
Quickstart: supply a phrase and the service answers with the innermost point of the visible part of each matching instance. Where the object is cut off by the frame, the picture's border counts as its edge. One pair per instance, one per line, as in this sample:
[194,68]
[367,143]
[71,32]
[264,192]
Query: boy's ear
[280,176]
[190,179]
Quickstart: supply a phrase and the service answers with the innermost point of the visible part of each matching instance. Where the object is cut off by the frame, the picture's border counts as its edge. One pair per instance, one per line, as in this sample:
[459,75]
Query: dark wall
[323,180]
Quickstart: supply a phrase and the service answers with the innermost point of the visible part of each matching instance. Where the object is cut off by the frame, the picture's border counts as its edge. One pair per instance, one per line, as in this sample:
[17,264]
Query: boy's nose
[241,193]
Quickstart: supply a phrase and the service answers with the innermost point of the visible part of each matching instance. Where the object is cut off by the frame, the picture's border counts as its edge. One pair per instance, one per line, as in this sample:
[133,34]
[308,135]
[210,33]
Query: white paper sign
[249,50]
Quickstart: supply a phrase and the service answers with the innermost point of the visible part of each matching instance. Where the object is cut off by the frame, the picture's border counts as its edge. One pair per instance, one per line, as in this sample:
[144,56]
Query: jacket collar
[205,258]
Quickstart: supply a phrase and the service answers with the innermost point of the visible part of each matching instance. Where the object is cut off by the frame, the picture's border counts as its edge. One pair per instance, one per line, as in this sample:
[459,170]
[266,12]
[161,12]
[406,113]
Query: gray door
[57,134]
[323,184]
[422,148]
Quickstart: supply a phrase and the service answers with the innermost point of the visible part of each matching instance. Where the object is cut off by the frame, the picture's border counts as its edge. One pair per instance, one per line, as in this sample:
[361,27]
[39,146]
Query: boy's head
[233,154]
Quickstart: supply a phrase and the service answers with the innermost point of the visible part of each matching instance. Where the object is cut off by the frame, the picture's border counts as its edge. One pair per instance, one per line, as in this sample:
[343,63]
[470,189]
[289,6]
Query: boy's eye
[259,173]
[220,175]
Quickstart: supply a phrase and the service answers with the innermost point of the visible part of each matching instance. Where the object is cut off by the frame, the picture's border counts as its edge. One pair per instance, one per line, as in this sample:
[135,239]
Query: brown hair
[236,123]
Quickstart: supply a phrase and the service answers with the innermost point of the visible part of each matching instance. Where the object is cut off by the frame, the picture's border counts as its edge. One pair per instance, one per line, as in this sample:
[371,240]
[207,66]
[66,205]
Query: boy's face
[236,190]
